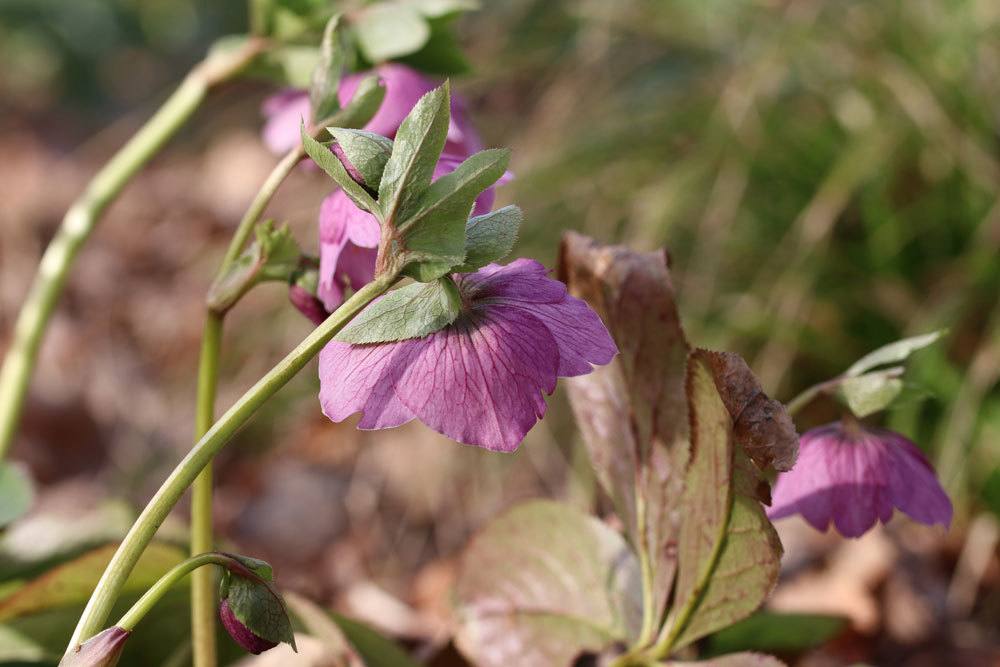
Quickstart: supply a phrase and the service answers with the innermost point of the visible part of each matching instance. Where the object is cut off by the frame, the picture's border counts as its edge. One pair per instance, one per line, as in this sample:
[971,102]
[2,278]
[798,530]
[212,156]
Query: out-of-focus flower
[240,633]
[481,379]
[854,476]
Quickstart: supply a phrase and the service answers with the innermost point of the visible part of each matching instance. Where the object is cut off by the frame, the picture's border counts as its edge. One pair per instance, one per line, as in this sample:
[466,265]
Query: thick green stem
[82,218]
[167,581]
[203,582]
[142,531]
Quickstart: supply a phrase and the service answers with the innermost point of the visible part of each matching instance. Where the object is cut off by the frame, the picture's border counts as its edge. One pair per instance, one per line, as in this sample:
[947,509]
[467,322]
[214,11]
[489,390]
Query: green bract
[255,602]
[366,151]
[323,94]
[274,255]
[413,311]
[490,237]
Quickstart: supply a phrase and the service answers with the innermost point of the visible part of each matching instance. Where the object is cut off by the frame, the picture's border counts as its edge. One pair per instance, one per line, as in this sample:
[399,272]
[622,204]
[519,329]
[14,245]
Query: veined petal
[523,280]
[579,333]
[362,378]
[480,380]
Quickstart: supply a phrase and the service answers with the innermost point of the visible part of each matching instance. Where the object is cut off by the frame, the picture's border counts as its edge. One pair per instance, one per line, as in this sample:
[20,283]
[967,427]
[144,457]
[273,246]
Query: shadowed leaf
[543,583]
[633,412]
[783,633]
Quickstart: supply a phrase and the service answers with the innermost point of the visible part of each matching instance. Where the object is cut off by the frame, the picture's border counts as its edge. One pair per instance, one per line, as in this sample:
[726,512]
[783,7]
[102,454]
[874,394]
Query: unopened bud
[101,650]
[240,633]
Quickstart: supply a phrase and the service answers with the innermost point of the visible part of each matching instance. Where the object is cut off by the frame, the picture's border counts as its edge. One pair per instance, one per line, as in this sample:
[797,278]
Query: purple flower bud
[307,304]
[240,633]
[349,166]
[853,476]
[101,650]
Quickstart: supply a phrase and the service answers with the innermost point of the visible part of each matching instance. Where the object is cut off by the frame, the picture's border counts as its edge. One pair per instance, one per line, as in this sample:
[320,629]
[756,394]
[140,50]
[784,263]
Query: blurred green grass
[825,173]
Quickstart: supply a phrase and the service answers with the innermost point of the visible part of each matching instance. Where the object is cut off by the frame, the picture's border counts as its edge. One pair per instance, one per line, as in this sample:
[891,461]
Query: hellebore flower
[480,380]
[240,633]
[854,476]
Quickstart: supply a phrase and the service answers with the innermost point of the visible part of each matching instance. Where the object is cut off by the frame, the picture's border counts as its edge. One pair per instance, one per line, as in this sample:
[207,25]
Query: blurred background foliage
[824,173]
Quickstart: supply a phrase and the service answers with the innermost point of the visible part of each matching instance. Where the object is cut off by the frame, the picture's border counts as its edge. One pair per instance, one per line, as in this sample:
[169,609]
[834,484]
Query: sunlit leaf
[389,30]
[542,583]
[893,353]
[867,394]
[412,311]
[490,237]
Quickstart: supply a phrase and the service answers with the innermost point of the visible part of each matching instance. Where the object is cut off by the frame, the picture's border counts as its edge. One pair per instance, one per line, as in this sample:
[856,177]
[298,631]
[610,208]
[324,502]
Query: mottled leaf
[729,552]
[17,493]
[761,425]
[324,92]
[435,230]
[415,152]
[366,152]
[542,583]
[412,311]
[867,394]
[389,30]
[633,412]
[72,582]
[490,237]
[893,353]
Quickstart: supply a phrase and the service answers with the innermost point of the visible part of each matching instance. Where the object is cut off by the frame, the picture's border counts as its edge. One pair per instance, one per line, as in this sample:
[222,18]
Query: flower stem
[807,396]
[203,582]
[167,581]
[139,536]
[83,216]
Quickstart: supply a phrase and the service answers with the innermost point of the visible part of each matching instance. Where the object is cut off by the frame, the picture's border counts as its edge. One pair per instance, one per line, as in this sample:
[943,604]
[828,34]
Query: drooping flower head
[853,476]
[241,634]
[481,379]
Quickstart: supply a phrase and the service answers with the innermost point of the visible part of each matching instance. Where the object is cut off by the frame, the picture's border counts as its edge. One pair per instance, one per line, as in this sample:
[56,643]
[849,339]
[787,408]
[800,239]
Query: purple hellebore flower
[854,476]
[479,380]
[240,633]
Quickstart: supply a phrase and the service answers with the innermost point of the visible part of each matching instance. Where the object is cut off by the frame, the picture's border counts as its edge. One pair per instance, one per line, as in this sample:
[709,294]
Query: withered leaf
[761,424]
[633,412]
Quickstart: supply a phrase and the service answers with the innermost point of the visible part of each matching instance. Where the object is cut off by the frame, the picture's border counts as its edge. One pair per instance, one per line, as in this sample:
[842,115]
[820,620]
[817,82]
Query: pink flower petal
[914,488]
[361,378]
[480,381]
[348,238]
[285,112]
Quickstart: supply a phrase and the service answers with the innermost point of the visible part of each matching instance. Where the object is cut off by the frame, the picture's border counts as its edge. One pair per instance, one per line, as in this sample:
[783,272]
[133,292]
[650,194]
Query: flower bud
[240,633]
[307,303]
[101,650]
[363,154]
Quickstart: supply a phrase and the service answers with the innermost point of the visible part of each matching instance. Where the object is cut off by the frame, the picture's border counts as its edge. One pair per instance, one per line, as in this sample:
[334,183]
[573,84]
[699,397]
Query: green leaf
[729,552]
[415,152]
[259,567]
[323,94]
[363,106]
[543,583]
[366,151]
[374,649]
[867,394]
[259,607]
[329,163]
[490,237]
[893,353]
[291,65]
[435,231]
[633,412]
[442,55]
[17,493]
[412,311]
[777,632]
[389,30]
[72,582]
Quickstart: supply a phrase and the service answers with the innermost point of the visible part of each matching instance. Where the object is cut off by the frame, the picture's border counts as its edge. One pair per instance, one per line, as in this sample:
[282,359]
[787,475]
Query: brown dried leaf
[633,412]
[761,424]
